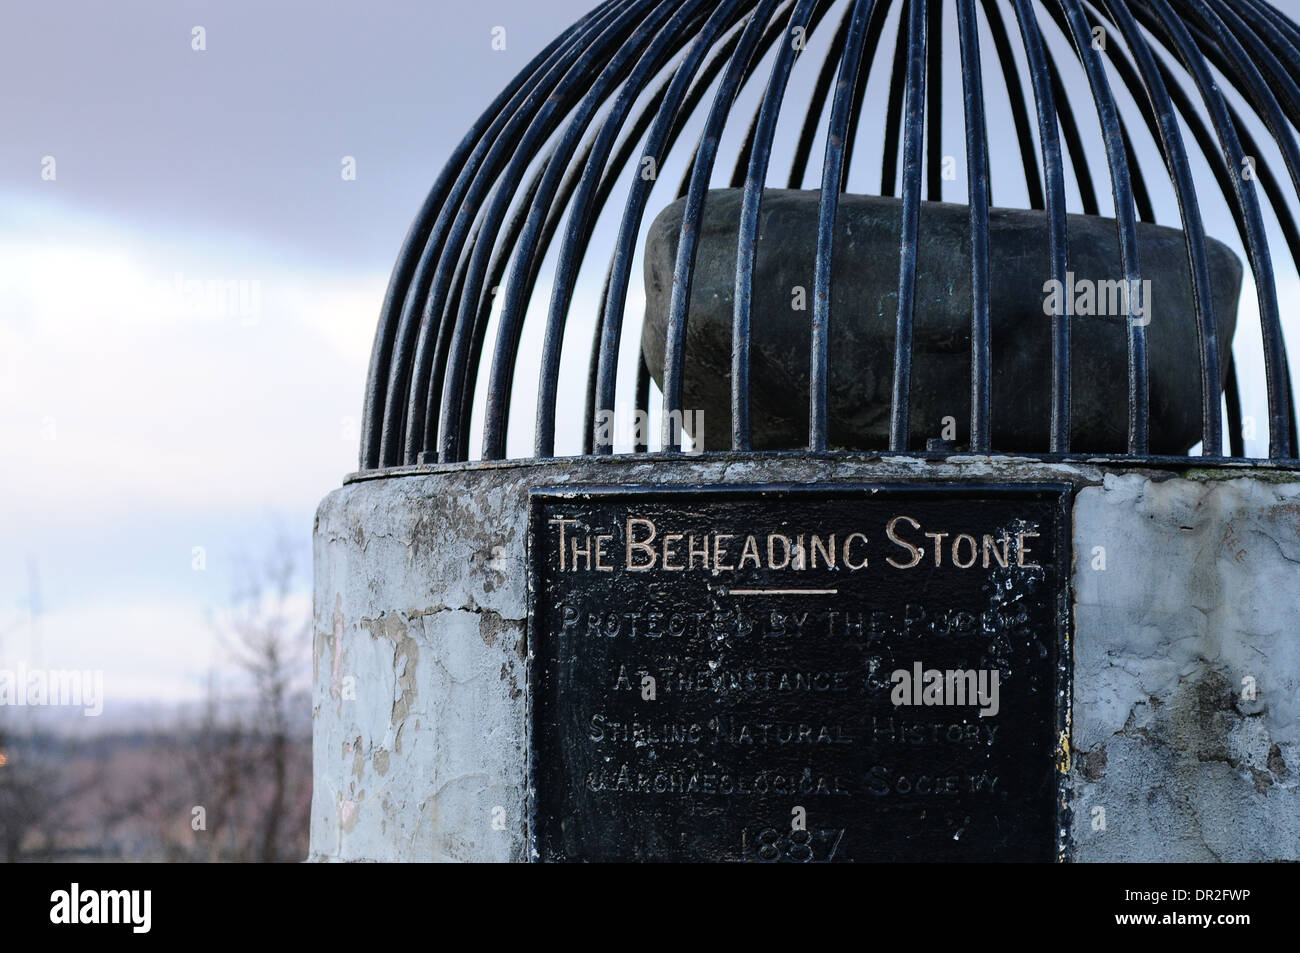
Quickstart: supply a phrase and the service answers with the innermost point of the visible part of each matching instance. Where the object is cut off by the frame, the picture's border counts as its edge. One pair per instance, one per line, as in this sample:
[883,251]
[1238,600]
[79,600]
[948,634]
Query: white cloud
[125,382]
[137,419]
[156,651]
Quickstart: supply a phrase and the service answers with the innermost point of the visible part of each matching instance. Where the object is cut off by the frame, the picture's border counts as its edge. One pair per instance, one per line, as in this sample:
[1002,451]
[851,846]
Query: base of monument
[1184,735]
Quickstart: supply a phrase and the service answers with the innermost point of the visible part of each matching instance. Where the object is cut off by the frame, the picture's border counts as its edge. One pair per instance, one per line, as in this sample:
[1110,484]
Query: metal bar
[875,27]
[618,48]
[684,269]
[676,103]
[775,29]
[742,157]
[894,110]
[1141,196]
[1205,140]
[1125,218]
[673,34]
[496,179]
[934,101]
[593,362]
[434,270]
[1281,33]
[614,169]
[1198,260]
[1281,78]
[1193,59]
[1019,109]
[454,297]
[1073,141]
[1273,23]
[1270,183]
[1229,180]
[642,398]
[424,368]
[498,398]
[841,107]
[977,175]
[1058,239]
[1291,426]
[497,411]
[747,237]
[912,150]
[1236,443]
[374,421]
[1271,43]
[1137,89]
[1224,178]
[817,104]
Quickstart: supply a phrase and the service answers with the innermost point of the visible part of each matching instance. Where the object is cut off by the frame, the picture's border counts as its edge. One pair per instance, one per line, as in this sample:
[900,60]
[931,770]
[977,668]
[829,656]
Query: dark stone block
[864,306]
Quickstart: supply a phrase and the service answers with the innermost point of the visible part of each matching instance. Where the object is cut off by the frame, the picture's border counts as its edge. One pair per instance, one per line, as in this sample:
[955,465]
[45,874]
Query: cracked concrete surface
[1187,670]
[419,657]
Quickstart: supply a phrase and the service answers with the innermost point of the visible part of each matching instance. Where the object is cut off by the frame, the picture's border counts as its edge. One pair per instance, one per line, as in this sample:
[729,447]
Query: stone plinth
[1186,678]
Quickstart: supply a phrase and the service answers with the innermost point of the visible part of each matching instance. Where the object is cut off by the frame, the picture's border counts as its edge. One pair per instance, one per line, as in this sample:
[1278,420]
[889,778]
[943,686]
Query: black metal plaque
[799,674]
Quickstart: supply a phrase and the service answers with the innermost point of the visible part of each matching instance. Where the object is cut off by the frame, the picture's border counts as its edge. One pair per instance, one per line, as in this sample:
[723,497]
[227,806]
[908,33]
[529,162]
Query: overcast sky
[135,427]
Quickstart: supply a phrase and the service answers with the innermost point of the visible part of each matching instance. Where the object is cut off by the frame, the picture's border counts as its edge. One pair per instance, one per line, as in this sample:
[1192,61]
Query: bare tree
[268,639]
[232,782]
[241,763]
[35,793]
[24,783]
[31,787]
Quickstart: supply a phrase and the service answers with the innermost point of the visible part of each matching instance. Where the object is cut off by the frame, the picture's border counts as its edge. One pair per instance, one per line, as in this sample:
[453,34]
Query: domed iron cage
[614,94]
